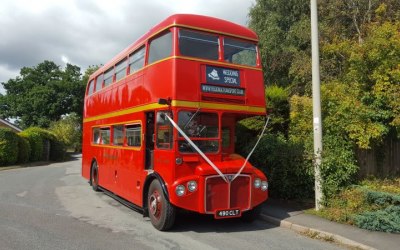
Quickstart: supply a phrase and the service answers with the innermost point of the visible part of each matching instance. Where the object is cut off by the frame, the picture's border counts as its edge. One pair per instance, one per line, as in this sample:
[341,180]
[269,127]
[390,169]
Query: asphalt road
[53,207]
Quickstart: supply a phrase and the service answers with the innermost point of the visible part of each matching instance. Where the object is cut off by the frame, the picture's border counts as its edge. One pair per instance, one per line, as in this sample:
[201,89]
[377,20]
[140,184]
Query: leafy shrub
[382,198]
[24,149]
[283,163]
[338,168]
[278,108]
[385,220]
[8,147]
[35,142]
[68,131]
[40,137]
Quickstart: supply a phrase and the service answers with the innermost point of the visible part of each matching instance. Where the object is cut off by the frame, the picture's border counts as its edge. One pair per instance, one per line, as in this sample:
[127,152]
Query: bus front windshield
[202,128]
[206,46]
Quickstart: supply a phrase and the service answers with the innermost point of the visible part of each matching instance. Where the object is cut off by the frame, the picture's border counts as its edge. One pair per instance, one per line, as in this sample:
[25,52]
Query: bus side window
[91,87]
[108,76]
[118,135]
[96,136]
[134,135]
[120,70]
[160,48]
[136,60]
[164,135]
[99,83]
[105,136]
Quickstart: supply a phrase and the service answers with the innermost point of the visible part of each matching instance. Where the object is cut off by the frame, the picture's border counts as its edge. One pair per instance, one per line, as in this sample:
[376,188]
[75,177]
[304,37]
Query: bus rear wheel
[94,177]
[161,211]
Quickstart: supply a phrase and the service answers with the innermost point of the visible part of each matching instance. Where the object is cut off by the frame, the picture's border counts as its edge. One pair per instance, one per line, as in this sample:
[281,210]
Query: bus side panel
[254,78]
[188,80]
[86,160]
[129,175]
[158,81]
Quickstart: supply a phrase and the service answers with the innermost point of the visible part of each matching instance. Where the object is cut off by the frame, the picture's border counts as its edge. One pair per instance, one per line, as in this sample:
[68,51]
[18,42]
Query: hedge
[24,149]
[57,148]
[36,144]
[8,147]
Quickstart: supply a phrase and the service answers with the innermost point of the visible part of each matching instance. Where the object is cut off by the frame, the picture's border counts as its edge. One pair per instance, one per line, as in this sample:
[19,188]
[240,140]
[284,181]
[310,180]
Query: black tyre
[161,212]
[94,177]
[252,215]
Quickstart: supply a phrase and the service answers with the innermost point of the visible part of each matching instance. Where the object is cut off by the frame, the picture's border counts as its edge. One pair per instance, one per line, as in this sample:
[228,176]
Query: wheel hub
[155,204]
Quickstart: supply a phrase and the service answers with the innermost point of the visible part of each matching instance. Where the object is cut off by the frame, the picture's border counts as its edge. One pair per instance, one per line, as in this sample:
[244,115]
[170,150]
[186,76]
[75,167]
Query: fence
[382,161]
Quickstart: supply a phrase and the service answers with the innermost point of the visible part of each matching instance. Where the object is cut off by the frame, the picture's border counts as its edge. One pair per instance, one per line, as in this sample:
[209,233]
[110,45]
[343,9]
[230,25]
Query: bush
[8,147]
[338,168]
[24,149]
[283,163]
[38,138]
[68,131]
[35,142]
[385,220]
[382,198]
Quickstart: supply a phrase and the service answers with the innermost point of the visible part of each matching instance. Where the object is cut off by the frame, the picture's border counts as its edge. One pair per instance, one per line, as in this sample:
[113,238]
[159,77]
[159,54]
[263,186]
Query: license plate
[227,213]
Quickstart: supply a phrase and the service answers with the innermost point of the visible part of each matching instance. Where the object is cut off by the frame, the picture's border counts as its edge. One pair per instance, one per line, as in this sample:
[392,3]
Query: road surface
[53,207]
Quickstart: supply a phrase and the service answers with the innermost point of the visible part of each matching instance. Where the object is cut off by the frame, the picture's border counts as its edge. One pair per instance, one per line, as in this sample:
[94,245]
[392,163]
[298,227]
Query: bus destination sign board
[221,90]
[224,76]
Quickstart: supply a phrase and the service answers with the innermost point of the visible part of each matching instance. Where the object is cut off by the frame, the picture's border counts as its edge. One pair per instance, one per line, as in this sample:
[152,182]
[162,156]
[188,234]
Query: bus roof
[199,22]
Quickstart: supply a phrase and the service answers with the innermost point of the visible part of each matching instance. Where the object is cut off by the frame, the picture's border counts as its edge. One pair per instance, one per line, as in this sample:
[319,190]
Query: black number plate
[227,213]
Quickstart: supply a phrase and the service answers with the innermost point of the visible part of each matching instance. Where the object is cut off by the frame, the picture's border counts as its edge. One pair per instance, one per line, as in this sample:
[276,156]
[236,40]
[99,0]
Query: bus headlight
[180,190]
[192,186]
[257,183]
[264,185]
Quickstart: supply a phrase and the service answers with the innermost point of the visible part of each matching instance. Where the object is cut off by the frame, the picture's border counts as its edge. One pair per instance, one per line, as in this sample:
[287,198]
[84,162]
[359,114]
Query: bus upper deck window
[240,52]
[136,60]
[160,48]
[198,44]
[91,87]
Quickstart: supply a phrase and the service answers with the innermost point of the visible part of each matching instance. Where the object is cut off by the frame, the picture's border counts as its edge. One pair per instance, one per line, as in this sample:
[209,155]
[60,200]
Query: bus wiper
[191,118]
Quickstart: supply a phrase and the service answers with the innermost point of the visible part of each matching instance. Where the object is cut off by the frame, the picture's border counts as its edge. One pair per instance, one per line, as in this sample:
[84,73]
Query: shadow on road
[186,221]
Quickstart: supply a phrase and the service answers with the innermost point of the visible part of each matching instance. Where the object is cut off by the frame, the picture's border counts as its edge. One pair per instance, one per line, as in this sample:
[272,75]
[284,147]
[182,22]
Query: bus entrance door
[149,159]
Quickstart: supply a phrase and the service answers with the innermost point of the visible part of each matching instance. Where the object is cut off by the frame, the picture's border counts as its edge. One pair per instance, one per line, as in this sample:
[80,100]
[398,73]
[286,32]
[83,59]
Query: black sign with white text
[222,76]
[221,90]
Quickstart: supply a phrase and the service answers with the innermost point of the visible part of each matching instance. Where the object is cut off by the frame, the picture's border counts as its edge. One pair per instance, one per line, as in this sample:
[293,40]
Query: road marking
[22,194]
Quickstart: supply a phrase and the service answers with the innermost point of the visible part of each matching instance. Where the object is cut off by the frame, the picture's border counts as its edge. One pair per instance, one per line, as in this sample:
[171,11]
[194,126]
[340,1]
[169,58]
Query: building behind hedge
[7,124]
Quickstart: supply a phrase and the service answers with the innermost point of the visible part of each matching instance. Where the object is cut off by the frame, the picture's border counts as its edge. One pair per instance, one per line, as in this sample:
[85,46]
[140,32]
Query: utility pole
[316,96]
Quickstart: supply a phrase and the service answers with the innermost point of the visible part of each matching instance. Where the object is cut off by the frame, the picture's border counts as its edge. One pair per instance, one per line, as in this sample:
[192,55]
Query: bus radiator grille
[222,195]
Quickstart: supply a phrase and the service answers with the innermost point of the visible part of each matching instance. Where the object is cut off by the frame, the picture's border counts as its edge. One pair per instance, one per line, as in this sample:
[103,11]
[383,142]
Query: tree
[283,28]
[42,94]
[69,131]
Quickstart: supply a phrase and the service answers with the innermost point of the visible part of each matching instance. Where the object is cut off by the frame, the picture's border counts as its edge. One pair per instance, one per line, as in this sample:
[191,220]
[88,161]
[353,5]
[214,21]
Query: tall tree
[283,28]
[42,94]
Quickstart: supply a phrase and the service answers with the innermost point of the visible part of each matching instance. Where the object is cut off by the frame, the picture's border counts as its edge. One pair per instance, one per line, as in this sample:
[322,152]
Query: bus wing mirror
[163,101]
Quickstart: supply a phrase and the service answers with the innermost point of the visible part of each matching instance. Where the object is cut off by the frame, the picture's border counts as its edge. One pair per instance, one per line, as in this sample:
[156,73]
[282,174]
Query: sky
[89,32]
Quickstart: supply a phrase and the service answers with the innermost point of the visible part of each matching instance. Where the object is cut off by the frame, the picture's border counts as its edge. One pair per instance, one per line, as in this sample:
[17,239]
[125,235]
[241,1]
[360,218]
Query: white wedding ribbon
[197,149]
[207,159]
[251,152]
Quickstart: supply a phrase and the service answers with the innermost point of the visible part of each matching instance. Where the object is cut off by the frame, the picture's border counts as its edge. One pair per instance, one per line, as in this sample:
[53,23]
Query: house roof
[11,125]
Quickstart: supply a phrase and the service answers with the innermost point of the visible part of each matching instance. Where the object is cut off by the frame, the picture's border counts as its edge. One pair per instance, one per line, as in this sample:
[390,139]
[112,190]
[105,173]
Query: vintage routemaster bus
[159,121]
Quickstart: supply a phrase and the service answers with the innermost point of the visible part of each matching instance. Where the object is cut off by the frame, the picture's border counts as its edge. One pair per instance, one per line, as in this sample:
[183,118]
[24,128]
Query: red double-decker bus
[159,121]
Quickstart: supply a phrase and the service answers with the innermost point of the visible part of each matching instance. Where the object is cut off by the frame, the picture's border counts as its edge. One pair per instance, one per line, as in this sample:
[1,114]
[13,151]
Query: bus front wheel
[94,177]
[161,211]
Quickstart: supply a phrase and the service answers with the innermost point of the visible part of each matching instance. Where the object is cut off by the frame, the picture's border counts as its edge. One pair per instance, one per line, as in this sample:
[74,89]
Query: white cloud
[7,73]
[89,32]
[64,59]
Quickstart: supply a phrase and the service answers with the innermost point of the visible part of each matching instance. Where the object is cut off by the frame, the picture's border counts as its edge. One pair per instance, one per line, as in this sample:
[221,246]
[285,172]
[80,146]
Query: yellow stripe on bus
[177,103]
